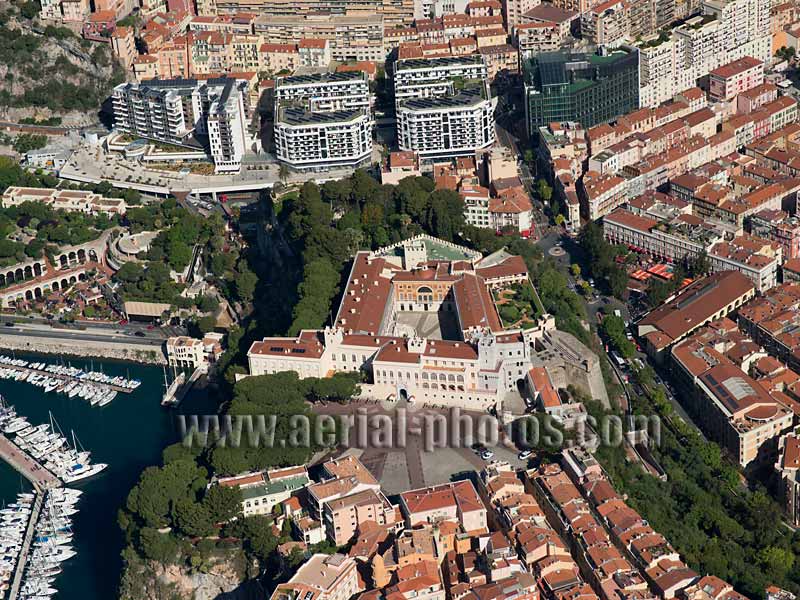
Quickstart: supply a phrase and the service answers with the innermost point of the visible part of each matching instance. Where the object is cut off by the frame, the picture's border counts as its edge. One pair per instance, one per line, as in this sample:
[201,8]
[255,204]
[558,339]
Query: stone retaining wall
[130,351]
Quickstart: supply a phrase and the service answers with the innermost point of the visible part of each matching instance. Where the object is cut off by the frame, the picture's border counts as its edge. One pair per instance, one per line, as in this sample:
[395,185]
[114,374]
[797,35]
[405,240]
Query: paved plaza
[407,464]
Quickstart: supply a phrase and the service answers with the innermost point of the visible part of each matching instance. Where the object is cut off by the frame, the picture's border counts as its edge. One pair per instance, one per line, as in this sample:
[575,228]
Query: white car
[525,454]
[487,455]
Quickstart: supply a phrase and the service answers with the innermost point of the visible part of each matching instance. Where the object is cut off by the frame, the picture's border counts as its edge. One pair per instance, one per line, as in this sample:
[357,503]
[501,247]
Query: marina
[48,444]
[129,434]
[39,477]
[94,386]
[36,530]
[35,537]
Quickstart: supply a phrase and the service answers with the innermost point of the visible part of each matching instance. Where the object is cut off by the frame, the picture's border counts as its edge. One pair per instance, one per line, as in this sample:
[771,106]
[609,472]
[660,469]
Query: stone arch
[73,279]
[54,286]
[82,276]
[72,257]
[37,269]
[2,279]
[82,255]
[424,294]
[93,255]
[28,295]
[37,293]
[28,272]
[63,260]
[19,274]
[64,283]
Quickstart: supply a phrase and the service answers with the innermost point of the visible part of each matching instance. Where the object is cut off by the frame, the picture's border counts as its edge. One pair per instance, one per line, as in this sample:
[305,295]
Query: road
[128,329]
[78,335]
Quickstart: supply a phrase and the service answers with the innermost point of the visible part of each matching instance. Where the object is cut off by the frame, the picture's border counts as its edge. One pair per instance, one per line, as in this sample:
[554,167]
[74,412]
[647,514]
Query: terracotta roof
[736,67]
[542,384]
[698,303]
[474,303]
[460,495]
[365,296]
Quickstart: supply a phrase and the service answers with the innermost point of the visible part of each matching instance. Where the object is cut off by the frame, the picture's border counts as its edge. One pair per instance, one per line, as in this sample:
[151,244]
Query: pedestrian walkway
[40,478]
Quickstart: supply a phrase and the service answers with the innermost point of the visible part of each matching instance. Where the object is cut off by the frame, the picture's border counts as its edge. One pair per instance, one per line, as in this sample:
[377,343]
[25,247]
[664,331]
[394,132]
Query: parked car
[487,455]
[525,454]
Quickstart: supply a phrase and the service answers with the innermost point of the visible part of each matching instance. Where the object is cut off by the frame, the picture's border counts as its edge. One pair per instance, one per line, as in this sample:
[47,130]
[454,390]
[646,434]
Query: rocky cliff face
[223,577]
[50,71]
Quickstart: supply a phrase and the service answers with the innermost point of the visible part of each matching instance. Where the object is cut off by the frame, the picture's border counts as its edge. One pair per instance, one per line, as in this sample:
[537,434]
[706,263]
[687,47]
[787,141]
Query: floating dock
[22,561]
[43,372]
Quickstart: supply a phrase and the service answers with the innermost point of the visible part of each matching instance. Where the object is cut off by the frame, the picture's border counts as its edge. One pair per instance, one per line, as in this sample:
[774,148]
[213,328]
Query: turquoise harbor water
[128,434]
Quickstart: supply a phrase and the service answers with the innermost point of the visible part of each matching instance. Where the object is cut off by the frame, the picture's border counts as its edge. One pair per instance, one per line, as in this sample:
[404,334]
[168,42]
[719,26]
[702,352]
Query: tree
[256,533]
[315,292]
[192,518]
[698,265]
[230,461]
[206,324]
[786,53]
[223,503]
[575,268]
[157,546]
[544,191]
[245,282]
[509,313]
[776,562]
[29,9]
[207,303]
[26,142]
[617,280]
[151,499]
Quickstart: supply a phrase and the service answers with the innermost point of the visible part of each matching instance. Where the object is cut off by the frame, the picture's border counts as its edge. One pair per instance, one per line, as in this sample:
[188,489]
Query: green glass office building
[587,88]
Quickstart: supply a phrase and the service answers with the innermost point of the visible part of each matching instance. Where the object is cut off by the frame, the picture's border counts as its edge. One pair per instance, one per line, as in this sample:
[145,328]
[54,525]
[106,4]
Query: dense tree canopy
[600,260]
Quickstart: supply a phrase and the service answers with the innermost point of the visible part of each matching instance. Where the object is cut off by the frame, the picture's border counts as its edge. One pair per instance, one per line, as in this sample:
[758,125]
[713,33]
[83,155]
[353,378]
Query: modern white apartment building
[323,140]
[453,125]
[227,128]
[431,77]
[323,121]
[173,110]
[726,30]
[326,91]
[444,106]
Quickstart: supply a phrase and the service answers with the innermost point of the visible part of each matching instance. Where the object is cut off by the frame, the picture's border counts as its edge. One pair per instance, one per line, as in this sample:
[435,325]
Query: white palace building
[379,330]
